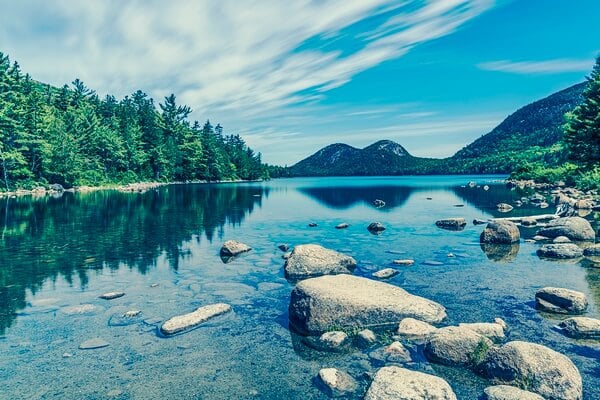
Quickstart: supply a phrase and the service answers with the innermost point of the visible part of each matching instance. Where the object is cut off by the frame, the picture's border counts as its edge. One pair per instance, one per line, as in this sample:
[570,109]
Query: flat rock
[575,228]
[188,321]
[500,232]
[560,300]
[581,327]
[112,295]
[343,225]
[396,383]
[505,392]
[560,251]
[232,248]
[385,273]
[540,238]
[338,382]
[432,263]
[346,301]
[96,343]
[406,261]
[414,329]
[453,224]
[310,260]
[535,368]
[456,346]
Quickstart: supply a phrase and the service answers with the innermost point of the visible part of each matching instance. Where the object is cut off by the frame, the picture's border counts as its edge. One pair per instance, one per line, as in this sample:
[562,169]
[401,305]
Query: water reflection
[342,197]
[500,252]
[71,235]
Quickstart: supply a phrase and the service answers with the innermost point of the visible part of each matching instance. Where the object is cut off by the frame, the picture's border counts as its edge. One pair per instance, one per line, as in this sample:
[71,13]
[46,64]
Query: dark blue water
[161,248]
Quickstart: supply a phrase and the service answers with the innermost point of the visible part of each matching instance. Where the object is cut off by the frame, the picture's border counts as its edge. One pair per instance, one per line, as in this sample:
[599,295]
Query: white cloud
[557,66]
[229,60]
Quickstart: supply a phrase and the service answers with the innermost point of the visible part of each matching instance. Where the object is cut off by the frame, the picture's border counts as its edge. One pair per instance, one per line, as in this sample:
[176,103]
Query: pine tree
[582,131]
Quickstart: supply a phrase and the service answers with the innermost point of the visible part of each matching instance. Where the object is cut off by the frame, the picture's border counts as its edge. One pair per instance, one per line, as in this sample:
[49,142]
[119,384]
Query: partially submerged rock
[561,239]
[592,251]
[581,327]
[414,329]
[492,330]
[560,251]
[456,346]
[505,392]
[385,273]
[376,227]
[232,248]
[191,320]
[500,232]
[504,207]
[453,224]
[560,300]
[334,339]
[343,225]
[366,337]
[535,368]
[346,301]
[575,228]
[283,247]
[112,295]
[406,261]
[395,383]
[338,382]
[310,260]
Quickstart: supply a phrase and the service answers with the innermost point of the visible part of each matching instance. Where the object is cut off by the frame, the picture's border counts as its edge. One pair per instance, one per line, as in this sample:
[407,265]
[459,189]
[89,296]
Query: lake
[161,247]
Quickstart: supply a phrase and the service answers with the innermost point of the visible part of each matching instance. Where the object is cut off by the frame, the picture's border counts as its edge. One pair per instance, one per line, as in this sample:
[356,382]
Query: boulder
[376,227]
[560,251]
[491,330]
[560,300]
[310,260]
[385,273]
[584,204]
[561,239]
[414,329]
[453,224]
[456,346]
[592,251]
[396,383]
[505,392]
[575,228]
[337,382]
[333,340]
[232,248]
[581,327]
[535,368]
[346,301]
[500,232]
[503,207]
[191,320]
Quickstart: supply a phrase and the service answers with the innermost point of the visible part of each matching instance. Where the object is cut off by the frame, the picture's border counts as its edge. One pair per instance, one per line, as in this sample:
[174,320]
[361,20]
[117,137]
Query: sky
[294,76]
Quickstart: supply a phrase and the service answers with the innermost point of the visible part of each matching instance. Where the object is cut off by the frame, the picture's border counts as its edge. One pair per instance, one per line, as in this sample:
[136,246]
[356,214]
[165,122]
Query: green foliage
[480,352]
[70,136]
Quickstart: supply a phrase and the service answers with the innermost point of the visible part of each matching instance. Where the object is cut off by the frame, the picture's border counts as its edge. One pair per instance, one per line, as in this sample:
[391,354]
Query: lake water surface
[162,249]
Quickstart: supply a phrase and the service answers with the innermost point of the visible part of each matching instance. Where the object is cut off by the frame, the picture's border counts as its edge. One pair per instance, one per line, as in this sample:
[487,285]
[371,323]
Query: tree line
[71,136]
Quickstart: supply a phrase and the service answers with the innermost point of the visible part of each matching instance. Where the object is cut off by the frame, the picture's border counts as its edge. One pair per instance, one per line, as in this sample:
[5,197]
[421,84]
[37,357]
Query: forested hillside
[71,136]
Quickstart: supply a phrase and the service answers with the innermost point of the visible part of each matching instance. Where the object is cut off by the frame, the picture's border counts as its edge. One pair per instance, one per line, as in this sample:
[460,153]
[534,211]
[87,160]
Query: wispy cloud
[557,66]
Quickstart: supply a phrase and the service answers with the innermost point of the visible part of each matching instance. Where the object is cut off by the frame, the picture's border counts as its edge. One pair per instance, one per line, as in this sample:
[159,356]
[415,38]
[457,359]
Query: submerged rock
[500,232]
[346,301]
[188,321]
[535,368]
[112,295]
[575,228]
[456,346]
[453,224]
[91,344]
[127,318]
[80,309]
[560,300]
[232,248]
[396,383]
[385,273]
[560,251]
[338,382]
[310,260]
[581,327]
[333,340]
[505,392]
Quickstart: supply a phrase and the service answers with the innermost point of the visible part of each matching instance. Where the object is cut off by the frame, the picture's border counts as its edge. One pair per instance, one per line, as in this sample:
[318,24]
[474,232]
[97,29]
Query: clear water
[161,248]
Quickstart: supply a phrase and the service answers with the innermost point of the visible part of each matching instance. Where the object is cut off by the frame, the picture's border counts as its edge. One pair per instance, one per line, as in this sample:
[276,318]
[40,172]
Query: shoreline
[138,187]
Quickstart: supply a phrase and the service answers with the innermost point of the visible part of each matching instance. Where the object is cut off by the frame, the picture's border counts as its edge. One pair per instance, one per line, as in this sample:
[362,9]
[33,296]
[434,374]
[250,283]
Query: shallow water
[161,248]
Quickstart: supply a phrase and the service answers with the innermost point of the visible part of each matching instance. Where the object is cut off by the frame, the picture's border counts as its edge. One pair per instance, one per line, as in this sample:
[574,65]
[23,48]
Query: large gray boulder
[575,228]
[310,260]
[500,232]
[344,301]
[581,327]
[454,345]
[535,368]
[560,251]
[560,300]
[505,392]
[395,383]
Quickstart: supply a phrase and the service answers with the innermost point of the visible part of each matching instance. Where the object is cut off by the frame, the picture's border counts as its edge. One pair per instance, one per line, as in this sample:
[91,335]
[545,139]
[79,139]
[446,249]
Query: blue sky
[292,77]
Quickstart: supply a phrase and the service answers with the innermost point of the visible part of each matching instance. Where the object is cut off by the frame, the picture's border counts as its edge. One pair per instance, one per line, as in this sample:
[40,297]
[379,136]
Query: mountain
[530,134]
[384,157]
